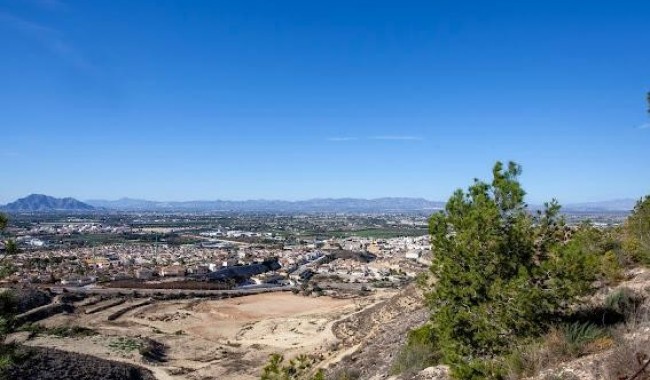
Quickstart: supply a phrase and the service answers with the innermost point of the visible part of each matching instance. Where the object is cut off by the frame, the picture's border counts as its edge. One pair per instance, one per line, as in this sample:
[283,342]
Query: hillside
[44,203]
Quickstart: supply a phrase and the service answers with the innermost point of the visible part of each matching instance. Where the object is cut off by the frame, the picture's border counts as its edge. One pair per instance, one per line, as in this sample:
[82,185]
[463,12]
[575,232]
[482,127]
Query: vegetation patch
[126,344]
[419,352]
[60,332]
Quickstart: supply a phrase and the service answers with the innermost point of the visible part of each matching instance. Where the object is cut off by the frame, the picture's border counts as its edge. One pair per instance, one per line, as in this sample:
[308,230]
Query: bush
[560,344]
[153,351]
[125,344]
[637,231]
[298,368]
[611,268]
[578,336]
[627,358]
[623,301]
[418,352]
[345,374]
[61,332]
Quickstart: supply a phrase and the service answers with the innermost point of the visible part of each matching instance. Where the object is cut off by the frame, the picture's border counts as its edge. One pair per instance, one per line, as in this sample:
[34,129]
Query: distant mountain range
[312,205]
[611,205]
[44,203]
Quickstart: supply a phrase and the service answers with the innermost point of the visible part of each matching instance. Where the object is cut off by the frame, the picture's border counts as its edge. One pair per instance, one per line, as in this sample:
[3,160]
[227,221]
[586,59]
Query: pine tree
[499,271]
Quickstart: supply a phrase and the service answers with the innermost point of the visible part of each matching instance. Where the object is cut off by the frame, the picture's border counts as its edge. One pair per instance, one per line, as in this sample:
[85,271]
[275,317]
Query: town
[185,252]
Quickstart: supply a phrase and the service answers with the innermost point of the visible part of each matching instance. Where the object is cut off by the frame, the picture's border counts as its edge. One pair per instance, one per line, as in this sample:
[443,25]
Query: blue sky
[178,100]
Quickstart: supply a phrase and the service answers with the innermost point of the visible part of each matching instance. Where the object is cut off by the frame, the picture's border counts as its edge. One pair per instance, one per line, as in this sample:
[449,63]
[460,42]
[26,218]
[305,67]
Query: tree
[499,271]
[637,231]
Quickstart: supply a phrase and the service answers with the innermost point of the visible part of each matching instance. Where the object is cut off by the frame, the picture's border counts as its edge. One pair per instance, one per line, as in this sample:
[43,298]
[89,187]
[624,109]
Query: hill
[44,203]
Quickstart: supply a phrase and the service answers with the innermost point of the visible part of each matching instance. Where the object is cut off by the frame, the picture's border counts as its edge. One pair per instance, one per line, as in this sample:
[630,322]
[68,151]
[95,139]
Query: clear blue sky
[179,100]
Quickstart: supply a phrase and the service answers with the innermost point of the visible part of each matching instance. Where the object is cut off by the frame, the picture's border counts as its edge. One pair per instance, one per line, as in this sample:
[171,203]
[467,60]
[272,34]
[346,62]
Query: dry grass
[559,345]
[633,348]
[627,358]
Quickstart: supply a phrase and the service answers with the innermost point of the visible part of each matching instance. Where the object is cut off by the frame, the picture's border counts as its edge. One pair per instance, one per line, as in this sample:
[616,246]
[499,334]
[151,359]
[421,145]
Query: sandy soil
[211,339]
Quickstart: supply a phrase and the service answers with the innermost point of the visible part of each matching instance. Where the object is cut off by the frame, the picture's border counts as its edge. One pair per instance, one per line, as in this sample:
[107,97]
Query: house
[199,269]
[173,271]
[413,254]
[267,278]
[74,280]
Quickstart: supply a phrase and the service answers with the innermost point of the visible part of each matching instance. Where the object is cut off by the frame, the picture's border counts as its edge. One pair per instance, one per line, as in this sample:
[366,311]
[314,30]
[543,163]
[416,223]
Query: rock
[439,372]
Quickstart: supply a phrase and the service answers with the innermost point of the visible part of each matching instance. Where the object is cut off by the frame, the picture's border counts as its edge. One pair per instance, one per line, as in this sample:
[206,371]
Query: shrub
[345,374]
[418,352]
[297,368]
[560,344]
[153,351]
[61,331]
[627,358]
[414,357]
[637,231]
[125,344]
[578,336]
[623,301]
[611,268]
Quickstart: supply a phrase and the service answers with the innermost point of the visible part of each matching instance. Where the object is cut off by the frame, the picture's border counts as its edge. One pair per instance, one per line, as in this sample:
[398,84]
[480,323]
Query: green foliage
[418,353]
[637,229]
[320,375]
[298,368]
[606,245]
[345,374]
[499,271]
[61,331]
[611,268]
[560,344]
[126,344]
[577,335]
[623,301]
[6,360]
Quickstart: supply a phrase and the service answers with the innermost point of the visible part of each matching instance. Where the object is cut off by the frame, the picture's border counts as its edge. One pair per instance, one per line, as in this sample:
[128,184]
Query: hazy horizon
[180,200]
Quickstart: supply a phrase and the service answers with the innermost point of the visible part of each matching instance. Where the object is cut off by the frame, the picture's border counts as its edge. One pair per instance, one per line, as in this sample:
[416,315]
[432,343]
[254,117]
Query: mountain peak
[45,203]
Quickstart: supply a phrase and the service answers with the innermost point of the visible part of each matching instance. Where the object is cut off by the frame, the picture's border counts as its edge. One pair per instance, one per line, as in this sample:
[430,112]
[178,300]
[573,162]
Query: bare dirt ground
[213,339]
